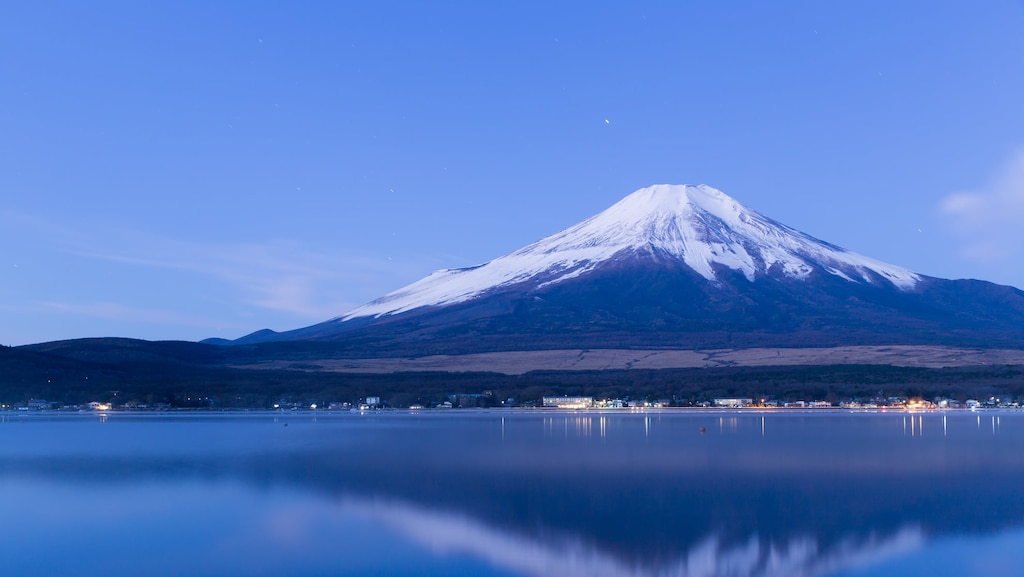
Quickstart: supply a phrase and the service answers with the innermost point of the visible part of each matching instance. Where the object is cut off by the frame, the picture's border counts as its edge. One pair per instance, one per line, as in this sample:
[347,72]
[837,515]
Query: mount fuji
[673,266]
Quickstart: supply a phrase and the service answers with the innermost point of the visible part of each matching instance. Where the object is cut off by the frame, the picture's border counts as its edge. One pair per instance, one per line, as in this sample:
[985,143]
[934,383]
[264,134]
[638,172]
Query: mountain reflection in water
[514,493]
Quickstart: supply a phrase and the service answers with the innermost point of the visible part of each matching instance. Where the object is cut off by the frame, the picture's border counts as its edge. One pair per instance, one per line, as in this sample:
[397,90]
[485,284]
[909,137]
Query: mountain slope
[679,267]
[697,225]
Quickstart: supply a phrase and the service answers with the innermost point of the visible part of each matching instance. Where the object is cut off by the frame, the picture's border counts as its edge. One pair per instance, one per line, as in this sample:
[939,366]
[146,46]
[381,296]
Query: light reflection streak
[584,426]
[913,425]
[916,426]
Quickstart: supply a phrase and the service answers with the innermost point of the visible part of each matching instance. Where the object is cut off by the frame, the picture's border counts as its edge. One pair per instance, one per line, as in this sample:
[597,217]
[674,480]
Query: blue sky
[184,169]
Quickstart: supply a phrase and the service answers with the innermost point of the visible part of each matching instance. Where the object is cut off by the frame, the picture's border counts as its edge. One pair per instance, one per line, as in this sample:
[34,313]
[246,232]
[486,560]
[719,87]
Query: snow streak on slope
[699,225]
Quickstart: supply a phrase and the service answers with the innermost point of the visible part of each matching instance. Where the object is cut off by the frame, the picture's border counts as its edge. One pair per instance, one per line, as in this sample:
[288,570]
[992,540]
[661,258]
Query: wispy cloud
[990,218]
[118,312]
[279,275]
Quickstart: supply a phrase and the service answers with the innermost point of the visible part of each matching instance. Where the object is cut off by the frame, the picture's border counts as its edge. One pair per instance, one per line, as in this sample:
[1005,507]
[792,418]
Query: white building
[733,403]
[569,402]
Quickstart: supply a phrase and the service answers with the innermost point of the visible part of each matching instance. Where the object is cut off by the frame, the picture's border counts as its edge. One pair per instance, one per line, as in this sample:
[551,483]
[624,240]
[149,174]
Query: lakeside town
[487,400]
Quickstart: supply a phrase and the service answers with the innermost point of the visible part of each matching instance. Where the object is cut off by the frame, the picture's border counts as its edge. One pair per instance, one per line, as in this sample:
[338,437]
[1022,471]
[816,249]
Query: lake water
[513,493]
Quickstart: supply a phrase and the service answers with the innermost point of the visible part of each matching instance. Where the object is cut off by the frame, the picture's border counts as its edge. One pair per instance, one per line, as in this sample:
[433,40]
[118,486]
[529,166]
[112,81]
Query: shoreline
[516,410]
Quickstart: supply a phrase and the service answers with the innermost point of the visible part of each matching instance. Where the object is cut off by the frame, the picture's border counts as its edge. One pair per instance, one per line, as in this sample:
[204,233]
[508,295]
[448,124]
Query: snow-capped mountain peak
[699,225]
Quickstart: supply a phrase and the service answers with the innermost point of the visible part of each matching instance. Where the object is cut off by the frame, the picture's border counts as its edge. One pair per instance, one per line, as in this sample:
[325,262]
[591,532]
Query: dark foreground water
[512,493]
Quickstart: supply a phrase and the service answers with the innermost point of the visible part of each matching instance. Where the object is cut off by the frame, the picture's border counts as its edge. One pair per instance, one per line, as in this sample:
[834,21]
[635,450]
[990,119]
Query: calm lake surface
[513,493]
